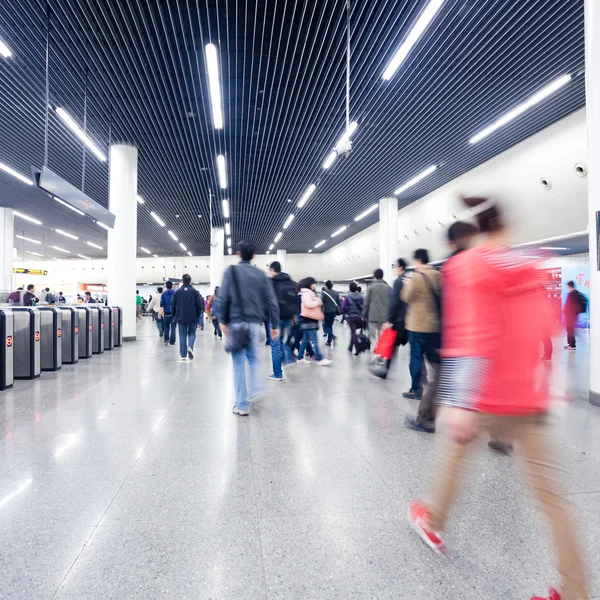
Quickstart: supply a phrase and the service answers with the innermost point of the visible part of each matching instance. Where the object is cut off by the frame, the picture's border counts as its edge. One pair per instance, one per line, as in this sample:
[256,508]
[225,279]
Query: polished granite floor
[127,476]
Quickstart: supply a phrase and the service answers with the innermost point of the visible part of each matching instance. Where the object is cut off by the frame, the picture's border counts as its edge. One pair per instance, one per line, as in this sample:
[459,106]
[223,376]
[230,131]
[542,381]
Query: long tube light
[72,125]
[519,110]
[79,212]
[278,236]
[22,237]
[189,254]
[321,243]
[271,246]
[412,38]
[415,179]
[227,229]
[229,251]
[94,245]
[330,159]
[5,50]
[66,234]
[84,256]
[157,218]
[367,212]
[225,208]
[307,194]
[340,230]
[14,173]
[229,242]
[101,224]
[173,235]
[182,246]
[222,172]
[26,217]
[140,199]
[343,140]
[61,249]
[34,253]
[288,221]
[214,83]
[145,250]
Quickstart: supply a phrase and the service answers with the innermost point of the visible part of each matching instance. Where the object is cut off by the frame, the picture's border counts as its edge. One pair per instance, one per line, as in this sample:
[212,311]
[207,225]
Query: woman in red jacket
[489,383]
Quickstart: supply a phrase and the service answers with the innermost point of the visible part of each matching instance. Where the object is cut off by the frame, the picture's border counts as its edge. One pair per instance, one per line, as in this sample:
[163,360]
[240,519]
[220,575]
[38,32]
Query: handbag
[386,344]
[239,337]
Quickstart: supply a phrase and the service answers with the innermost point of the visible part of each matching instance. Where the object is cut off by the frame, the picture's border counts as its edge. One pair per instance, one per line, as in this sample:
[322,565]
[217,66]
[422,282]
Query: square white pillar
[7,231]
[217,257]
[281,257]
[388,237]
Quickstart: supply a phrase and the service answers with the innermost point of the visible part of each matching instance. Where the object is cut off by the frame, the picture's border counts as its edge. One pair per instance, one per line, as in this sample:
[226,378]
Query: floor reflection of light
[102,414]
[68,444]
[10,496]
[159,418]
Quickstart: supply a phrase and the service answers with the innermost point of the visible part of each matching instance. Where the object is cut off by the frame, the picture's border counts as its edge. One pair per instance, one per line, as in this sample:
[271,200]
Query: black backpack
[287,294]
[583,303]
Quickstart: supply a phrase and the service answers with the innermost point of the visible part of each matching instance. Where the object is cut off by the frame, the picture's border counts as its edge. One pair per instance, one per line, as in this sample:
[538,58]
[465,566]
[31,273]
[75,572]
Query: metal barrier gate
[50,338]
[6,348]
[97,329]
[26,342]
[70,334]
[117,320]
[109,328]
[85,330]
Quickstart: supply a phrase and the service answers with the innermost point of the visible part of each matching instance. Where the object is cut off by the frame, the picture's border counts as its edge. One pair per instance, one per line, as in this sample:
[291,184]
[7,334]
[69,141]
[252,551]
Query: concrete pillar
[592,80]
[7,231]
[217,256]
[281,257]
[388,236]
[122,239]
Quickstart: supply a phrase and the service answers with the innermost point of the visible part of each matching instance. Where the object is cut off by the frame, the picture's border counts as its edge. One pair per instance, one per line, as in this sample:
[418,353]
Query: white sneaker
[305,361]
[324,362]
[190,353]
[242,413]
[184,359]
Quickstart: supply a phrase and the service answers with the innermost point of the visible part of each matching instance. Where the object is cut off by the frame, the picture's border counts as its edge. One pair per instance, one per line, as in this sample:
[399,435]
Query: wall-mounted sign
[30,271]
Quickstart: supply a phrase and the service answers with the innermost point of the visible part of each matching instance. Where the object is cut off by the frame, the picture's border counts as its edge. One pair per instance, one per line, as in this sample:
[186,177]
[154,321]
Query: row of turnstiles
[43,338]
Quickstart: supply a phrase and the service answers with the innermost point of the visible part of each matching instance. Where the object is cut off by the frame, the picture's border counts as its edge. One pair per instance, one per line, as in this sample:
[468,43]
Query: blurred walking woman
[492,297]
[311,312]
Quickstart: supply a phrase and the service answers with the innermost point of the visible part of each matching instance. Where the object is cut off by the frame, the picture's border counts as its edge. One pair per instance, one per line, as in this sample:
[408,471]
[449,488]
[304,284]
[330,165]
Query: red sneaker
[554,595]
[417,513]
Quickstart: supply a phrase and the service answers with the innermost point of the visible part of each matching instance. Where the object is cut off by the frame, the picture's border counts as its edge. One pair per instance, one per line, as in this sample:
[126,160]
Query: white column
[7,231]
[217,256]
[388,236]
[122,239]
[592,80]
[281,257]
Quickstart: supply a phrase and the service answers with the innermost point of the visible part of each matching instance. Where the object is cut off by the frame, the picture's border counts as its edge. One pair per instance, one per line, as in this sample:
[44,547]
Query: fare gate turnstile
[6,348]
[50,338]
[85,330]
[117,323]
[70,334]
[109,328]
[26,343]
[97,329]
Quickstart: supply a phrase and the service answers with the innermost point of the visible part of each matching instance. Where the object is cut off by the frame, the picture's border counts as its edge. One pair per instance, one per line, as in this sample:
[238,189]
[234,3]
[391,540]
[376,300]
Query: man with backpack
[575,305]
[286,293]
[331,307]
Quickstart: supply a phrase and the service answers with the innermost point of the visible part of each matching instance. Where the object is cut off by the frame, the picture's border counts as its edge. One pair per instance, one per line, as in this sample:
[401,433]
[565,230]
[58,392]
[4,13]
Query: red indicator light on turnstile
[58,332]
[90,326]
[76,329]
[9,340]
[101,325]
[112,323]
[37,336]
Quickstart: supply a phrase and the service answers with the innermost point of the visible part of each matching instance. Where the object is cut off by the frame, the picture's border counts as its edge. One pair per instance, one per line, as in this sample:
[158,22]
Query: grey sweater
[376,302]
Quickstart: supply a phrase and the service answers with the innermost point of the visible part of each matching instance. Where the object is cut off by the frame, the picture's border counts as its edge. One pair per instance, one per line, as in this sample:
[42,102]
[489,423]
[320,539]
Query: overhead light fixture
[541,247]
[145,250]
[14,173]
[227,229]
[321,243]
[214,84]
[140,199]
[342,143]
[340,230]
[367,212]
[183,247]
[413,36]
[330,159]
[155,255]
[268,252]
[101,224]
[94,245]
[189,254]
[79,212]
[22,237]
[225,208]
[310,251]
[5,50]
[157,218]
[271,246]
[172,235]
[72,125]
[66,234]
[34,253]
[519,110]
[288,221]
[415,180]
[222,172]
[84,256]
[61,249]
[27,217]
[278,236]
[229,242]
[229,251]
[307,194]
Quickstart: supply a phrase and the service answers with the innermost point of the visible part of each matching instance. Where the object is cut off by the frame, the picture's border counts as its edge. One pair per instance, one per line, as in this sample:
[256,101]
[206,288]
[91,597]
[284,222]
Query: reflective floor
[127,476]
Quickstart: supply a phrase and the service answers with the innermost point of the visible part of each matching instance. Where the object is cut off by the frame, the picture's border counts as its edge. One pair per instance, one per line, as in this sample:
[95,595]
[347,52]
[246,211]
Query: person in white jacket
[154,307]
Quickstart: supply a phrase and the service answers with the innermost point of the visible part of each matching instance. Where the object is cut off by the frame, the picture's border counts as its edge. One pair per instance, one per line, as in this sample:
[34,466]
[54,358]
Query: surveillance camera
[344,147]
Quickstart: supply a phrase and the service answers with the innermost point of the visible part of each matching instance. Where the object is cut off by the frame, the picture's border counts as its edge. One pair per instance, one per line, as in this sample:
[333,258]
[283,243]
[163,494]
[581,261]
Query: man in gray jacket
[376,305]
[246,296]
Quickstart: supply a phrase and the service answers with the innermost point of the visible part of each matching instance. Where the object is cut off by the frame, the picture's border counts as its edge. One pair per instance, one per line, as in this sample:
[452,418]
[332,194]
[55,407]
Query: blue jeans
[280,351]
[328,325]
[187,337]
[169,328]
[268,332]
[310,336]
[250,354]
[422,344]
[159,325]
[201,321]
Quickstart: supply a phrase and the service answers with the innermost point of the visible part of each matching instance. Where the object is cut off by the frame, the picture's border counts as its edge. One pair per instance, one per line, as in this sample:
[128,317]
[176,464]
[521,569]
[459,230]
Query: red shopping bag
[386,343]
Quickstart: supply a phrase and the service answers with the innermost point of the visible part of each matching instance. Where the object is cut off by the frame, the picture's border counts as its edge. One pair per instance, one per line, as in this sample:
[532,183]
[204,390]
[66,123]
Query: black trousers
[571,333]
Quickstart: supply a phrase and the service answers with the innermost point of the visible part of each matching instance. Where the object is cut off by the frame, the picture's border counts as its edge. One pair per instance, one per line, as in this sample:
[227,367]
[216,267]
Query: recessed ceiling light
[321,243]
[84,256]
[94,245]
[26,217]
[271,246]
[177,216]
[222,171]
[310,251]
[278,236]
[330,159]
[227,229]
[172,235]
[157,218]
[145,250]
[268,252]
[541,247]
[155,255]
[229,251]
[183,247]
[214,83]
[340,230]
[367,212]
[72,125]
[225,209]
[66,234]
[34,253]
[415,180]
[99,223]
[307,194]
[199,216]
[5,50]
[14,173]
[22,237]
[288,221]
[229,242]
[79,212]
[140,200]
[189,254]
[61,249]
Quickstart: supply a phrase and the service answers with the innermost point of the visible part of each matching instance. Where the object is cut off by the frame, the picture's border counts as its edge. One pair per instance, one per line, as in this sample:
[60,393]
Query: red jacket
[494,308]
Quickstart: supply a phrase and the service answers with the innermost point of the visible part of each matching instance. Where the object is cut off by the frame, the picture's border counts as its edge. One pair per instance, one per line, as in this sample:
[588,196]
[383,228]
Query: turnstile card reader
[70,334]
[6,348]
[50,338]
[26,342]
[85,329]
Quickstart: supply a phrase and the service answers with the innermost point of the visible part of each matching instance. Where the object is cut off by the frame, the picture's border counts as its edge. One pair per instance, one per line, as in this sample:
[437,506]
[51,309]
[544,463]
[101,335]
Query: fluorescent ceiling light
[70,122]
[84,256]
[225,208]
[69,235]
[189,254]
[214,83]
[415,180]
[101,224]
[229,251]
[271,246]
[183,247]
[229,242]
[94,245]
[5,50]
[14,173]
[172,235]
[27,217]
[367,212]
[347,134]
[227,229]
[34,253]
[278,236]
[288,221]
[541,247]
[61,249]
[340,230]
[22,237]
[145,250]
[307,194]
[330,159]
[155,255]
[79,212]
[517,111]
[222,172]
[157,218]
[321,243]
[268,252]
[310,251]
[140,199]
[413,36]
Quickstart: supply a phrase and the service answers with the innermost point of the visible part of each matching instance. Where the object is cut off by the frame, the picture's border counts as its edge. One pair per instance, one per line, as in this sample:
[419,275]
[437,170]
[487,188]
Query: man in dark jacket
[246,295]
[571,310]
[331,307]
[186,307]
[168,322]
[29,298]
